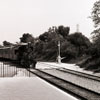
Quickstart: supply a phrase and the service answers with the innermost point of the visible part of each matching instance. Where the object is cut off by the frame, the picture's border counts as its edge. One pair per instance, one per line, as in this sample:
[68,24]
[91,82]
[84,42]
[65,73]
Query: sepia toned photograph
[49,49]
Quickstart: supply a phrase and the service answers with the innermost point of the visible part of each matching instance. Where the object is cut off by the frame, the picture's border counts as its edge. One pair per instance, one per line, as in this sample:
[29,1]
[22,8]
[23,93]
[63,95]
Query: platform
[30,88]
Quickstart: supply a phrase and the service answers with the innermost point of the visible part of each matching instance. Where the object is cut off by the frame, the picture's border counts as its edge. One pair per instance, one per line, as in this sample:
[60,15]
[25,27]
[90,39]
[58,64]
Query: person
[32,62]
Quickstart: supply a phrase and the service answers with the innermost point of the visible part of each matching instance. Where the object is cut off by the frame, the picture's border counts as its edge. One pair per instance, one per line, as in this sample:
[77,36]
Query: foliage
[95,15]
[68,50]
[72,46]
[26,37]
[6,43]
[64,31]
[93,62]
[45,47]
[80,41]
[44,37]
[54,32]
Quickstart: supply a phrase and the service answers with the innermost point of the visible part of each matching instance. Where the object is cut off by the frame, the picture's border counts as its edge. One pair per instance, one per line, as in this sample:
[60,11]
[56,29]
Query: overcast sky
[36,16]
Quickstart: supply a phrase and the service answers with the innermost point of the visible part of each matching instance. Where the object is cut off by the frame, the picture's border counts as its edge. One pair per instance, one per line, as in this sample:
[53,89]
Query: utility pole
[59,57]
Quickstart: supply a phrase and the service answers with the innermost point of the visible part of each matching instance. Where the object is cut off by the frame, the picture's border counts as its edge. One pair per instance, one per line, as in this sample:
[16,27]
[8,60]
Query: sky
[36,16]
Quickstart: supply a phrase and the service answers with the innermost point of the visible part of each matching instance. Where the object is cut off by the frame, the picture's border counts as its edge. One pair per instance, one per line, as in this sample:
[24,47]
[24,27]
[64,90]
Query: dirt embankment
[90,63]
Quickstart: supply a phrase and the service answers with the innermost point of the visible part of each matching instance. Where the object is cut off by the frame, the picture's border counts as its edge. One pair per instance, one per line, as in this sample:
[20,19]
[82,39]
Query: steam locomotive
[20,53]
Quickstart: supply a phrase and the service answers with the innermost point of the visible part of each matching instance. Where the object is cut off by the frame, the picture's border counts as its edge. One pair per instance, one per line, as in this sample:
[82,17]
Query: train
[20,53]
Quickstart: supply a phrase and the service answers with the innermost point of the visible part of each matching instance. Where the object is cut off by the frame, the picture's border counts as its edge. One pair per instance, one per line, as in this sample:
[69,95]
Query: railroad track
[73,89]
[84,80]
[66,70]
[97,78]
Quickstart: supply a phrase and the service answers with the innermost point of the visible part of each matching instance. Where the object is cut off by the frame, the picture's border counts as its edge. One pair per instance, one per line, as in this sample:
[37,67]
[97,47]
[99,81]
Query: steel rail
[78,73]
[73,89]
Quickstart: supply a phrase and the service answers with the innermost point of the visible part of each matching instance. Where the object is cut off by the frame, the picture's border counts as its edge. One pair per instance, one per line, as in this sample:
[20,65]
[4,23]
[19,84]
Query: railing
[12,68]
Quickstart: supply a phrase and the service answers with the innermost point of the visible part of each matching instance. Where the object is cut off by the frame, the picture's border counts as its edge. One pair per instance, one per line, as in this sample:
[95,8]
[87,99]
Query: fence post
[29,71]
[3,69]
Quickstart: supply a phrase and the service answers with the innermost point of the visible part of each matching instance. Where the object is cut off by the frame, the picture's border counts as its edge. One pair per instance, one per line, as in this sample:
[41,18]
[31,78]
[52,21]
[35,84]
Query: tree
[48,35]
[68,50]
[64,31]
[80,41]
[95,15]
[26,37]
[93,61]
[44,37]
[6,43]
